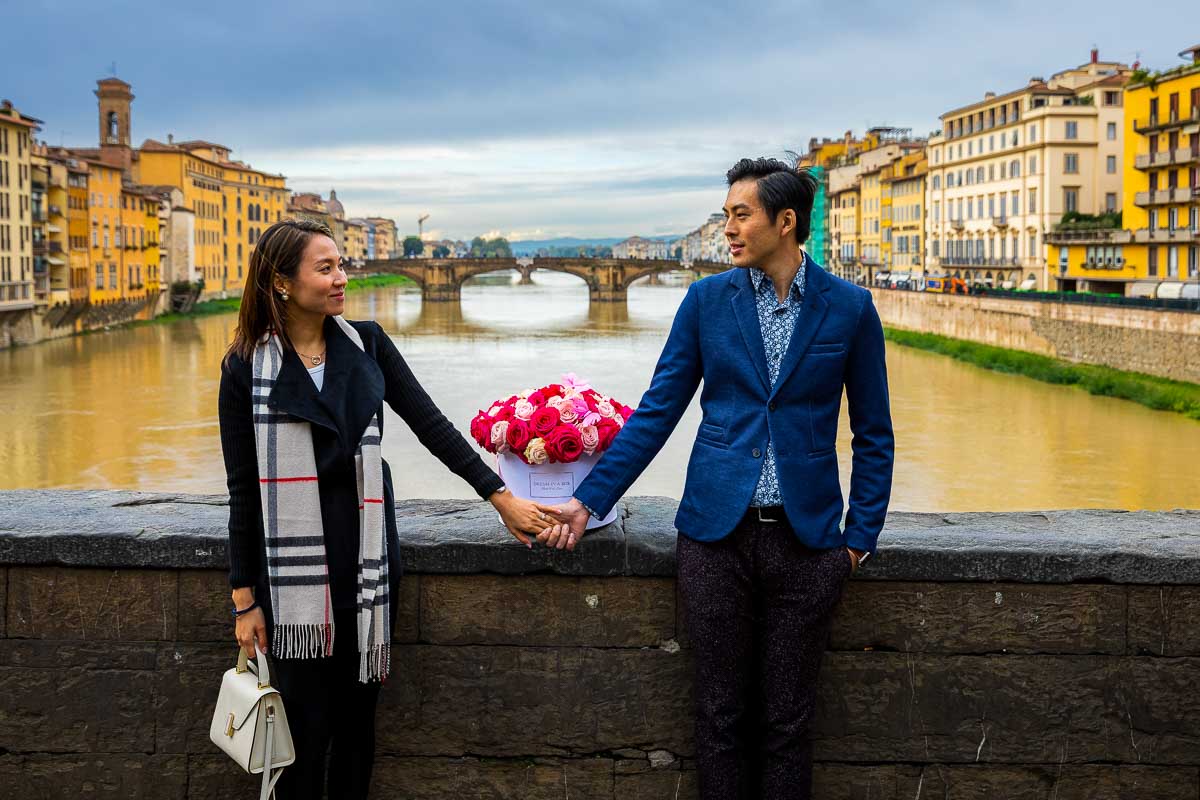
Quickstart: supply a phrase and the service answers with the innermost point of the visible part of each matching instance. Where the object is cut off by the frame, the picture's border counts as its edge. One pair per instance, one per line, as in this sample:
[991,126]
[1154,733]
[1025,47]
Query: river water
[137,408]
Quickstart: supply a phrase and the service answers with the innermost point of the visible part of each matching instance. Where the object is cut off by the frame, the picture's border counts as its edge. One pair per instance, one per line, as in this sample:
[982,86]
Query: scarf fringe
[375,663]
[302,641]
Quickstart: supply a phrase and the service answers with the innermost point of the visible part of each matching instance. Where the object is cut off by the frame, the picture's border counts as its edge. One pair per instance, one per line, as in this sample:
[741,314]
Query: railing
[40,247]
[958,222]
[1090,236]
[1164,304]
[1175,194]
[1158,122]
[980,261]
[1165,235]
[16,293]
[1162,158]
[1000,221]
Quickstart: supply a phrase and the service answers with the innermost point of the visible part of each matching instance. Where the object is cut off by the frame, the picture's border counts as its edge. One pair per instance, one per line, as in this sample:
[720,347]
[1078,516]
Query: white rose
[567,412]
[535,452]
[605,409]
[591,439]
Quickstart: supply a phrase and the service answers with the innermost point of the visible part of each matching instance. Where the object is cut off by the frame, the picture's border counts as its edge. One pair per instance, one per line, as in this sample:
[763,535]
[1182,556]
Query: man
[761,557]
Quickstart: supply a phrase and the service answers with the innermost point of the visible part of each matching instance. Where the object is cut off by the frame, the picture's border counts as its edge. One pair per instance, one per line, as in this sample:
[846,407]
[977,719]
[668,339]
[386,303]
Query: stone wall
[1038,655]
[1164,343]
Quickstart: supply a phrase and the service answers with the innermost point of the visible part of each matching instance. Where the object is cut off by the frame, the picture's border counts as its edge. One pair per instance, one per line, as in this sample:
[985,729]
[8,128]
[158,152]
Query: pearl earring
[283,296]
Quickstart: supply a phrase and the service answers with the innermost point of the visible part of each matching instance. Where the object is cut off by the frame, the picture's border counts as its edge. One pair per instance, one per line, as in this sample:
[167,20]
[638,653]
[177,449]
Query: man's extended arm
[873,444]
[675,380]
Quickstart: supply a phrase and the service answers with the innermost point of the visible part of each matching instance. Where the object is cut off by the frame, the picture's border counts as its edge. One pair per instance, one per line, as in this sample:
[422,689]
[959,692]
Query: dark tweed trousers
[758,606]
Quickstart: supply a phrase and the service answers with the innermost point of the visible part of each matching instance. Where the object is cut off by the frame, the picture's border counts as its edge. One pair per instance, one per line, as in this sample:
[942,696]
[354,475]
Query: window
[1110,165]
[1033,165]
[1072,131]
[1071,163]
[1070,198]
[1172,262]
[1110,131]
[1193,261]
[1110,202]
[1032,133]
[112,276]
[1152,261]
[99,275]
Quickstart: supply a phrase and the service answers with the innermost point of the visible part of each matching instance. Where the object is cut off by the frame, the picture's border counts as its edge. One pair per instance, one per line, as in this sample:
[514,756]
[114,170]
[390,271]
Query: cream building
[638,247]
[16,216]
[1003,171]
[354,243]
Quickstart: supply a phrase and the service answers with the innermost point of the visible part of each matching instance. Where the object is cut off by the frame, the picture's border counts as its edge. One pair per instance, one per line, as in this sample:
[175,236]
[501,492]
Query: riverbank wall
[1015,655]
[1155,342]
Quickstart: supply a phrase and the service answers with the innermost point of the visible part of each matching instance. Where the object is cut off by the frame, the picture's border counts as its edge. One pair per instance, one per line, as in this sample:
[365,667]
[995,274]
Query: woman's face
[319,286]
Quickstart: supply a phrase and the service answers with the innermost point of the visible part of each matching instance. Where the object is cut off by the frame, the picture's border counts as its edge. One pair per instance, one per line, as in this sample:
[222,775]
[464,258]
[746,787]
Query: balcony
[1000,221]
[1165,235]
[1116,262]
[40,247]
[16,295]
[1008,262]
[56,247]
[1163,122]
[1092,236]
[55,211]
[958,223]
[1165,158]
[1179,194]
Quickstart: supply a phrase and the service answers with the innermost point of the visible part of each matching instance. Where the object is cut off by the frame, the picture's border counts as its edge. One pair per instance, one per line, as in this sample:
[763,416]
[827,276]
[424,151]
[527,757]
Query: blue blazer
[838,342]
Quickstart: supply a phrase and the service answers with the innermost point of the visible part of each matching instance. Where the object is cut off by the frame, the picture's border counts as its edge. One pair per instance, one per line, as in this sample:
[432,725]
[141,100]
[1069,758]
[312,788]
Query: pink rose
[564,444]
[591,439]
[523,409]
[518,436]
[497,436]
[590,419]
[544,420]
[566,412]
[605,408]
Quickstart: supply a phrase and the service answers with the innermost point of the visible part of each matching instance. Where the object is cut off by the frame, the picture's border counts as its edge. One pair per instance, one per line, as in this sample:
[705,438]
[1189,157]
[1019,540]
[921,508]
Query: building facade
[637,247]
[382,244]
[16,221]
[1004,171]
[904,186]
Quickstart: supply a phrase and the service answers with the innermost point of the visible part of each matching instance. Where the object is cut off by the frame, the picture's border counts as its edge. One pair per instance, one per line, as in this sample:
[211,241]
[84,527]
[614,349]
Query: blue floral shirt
[777,321]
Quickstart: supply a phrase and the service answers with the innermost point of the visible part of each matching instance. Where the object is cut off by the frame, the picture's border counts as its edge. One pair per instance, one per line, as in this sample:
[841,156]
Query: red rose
[591,398]
[626,413]
[518,436]
[505,413]
[481,429]
[553,390]
[564,444]
[537,399]
[608,431]
[544,420]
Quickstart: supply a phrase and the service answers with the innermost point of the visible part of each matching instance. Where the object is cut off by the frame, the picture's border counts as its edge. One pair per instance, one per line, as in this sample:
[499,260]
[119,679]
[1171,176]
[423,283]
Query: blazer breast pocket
[826,348]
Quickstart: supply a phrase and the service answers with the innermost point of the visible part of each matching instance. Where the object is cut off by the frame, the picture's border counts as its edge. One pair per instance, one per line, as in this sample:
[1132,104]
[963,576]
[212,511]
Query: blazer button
[756,453]
[771,406]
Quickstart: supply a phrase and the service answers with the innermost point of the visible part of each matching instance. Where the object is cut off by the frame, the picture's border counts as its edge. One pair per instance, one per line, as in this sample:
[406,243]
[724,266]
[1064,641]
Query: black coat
[356,384]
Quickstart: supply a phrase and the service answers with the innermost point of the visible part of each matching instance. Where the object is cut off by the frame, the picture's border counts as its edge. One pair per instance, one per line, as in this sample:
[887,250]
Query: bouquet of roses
[556,424]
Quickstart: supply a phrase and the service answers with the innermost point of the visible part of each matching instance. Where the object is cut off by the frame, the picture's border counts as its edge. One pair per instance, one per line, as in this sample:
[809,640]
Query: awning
[58,262]
[1143,288]
[882,275]
[1028,284]
[1170,290]
[1007,284]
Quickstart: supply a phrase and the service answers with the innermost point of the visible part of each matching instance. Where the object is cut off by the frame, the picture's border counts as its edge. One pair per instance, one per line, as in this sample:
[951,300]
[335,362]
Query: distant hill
[530,246]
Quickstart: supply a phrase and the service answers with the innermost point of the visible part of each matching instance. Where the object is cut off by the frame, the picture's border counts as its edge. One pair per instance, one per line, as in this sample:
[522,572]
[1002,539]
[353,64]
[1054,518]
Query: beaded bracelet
[237,613]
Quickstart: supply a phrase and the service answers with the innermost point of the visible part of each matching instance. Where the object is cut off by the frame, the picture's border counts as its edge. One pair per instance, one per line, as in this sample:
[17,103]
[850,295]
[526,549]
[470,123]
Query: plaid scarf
[295,538]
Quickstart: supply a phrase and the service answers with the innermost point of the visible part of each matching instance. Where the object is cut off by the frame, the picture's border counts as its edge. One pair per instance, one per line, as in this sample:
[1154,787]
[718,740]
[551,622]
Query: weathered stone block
[91,604]
[643,779]
[875,781]
[980,618]
[547,610]
[1060,782]
[407,625]
[49,710]
[185,693]
[3,602]
[218,778]
[103,777]
[39,653]
[1007,709]
[204,603]
[1163,620]
[493,779]
[529,701]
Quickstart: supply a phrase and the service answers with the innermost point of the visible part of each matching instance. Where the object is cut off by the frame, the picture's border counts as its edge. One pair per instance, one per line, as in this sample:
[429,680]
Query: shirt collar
[759,278]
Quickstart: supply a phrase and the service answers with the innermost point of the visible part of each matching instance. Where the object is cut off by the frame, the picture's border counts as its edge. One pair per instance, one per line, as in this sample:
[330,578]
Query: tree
[413,246]
[441,251]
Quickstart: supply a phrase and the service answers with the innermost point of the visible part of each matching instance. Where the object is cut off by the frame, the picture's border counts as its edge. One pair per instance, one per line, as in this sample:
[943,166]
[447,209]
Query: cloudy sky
[544,119]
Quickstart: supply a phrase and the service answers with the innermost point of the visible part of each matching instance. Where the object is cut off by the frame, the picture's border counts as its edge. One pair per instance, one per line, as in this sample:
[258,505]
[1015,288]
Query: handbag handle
[261,670]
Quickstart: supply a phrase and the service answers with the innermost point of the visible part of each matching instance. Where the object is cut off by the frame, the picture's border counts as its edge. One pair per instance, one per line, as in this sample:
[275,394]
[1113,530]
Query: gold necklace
[316,360]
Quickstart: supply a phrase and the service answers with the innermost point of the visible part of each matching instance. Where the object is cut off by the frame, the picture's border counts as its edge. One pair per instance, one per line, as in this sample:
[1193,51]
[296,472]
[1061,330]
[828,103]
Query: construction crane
[421,224]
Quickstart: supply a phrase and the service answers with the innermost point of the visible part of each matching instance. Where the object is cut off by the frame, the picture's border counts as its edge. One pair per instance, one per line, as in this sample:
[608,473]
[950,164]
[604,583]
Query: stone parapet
[1028,655]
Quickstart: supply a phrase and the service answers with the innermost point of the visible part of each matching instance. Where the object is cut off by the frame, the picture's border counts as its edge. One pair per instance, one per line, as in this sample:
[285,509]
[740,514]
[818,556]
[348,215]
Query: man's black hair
[780,185]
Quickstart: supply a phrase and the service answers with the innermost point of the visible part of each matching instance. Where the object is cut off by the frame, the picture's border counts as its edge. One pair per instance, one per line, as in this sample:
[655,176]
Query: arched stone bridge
[608,279]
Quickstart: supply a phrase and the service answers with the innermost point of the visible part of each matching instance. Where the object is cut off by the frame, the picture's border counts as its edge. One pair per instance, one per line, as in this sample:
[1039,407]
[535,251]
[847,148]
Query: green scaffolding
[818,238]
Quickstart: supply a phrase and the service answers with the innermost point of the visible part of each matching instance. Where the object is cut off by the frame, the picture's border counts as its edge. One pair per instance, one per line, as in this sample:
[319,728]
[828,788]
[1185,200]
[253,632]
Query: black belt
[765,514]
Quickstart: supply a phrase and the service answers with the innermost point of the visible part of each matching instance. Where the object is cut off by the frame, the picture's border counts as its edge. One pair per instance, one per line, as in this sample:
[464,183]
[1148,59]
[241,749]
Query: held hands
[855,556]
[522,516]
[573,519]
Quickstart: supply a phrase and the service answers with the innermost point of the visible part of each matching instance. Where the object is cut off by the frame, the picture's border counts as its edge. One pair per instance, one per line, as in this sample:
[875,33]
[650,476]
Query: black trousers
[328,710]
[758,606]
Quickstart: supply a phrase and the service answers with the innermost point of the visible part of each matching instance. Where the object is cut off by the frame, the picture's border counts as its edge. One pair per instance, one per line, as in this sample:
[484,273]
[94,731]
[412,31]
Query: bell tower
[115,100]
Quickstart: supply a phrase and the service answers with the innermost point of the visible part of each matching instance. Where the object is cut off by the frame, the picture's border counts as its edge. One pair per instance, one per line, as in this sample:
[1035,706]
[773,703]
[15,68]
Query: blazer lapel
[816,305]
[746,313]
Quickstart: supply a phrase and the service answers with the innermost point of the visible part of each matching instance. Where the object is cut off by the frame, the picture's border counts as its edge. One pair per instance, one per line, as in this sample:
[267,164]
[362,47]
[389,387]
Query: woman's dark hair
[780,185]
[277,252]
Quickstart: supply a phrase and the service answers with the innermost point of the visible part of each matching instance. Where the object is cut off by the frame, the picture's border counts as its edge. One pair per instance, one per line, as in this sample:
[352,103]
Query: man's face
[753,238]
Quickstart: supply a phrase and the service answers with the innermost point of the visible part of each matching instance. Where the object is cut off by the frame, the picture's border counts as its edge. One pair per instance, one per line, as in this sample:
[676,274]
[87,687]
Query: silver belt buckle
[759,512]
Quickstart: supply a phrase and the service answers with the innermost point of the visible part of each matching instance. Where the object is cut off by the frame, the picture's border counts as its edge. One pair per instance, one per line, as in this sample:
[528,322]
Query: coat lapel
[354,386]
[746,313]
[296,394]
[816,305]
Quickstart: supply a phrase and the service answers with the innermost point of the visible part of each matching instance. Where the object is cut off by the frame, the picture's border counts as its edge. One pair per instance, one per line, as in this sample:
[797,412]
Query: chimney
[1095,55]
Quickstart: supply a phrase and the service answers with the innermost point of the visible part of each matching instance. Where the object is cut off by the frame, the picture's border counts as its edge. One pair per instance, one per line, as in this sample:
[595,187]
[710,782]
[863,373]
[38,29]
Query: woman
[301,421]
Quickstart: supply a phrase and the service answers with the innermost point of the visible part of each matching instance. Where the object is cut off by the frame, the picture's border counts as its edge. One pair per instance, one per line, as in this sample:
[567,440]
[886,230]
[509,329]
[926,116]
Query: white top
[317,374]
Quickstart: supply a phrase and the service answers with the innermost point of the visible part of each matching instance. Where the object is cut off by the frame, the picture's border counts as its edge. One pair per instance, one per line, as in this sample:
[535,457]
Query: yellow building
[1154,249]
[871,237]
[384,244]
[16,233]
[904,215]
[845,221]
[106,255]
[140,239]
[1005,170]
[354,244]
[53,275]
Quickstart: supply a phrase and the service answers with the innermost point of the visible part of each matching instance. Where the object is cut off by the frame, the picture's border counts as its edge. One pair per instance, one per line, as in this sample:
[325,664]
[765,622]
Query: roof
[11,115]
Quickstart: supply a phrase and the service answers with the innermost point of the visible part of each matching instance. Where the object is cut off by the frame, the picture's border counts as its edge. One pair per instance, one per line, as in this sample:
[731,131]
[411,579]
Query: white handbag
[250,724]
